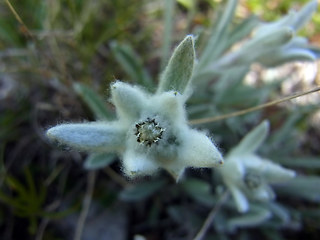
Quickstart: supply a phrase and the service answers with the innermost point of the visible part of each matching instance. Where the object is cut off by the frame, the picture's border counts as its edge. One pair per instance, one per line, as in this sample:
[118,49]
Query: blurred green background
[66,50]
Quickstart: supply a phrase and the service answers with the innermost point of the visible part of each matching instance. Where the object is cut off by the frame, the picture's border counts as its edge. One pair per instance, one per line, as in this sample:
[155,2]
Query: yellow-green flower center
[148,132]
[252,180]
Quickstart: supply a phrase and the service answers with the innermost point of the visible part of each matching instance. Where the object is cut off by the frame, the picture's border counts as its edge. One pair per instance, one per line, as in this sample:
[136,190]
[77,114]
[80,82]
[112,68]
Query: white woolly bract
[128,100]
[234,171]
[96,136]
[138,164]
[271,171]
[197,150]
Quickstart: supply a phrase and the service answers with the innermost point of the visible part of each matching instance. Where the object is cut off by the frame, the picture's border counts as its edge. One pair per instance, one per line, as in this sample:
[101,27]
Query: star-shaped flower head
[152,131]
[248,175]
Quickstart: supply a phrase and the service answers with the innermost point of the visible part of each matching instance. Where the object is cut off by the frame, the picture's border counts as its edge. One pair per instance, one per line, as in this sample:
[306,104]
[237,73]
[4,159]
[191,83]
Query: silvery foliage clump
[271,44]
[151,130]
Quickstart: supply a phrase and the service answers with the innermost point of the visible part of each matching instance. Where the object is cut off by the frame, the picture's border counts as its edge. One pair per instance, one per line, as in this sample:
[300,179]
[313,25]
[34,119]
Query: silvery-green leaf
[94,102]
[295,50]
[239,197]
[285,21]
[306,187]
[307,162]
[297,42]
[243,30]
[132,64]
[260,45]
[253,49]
[299,54]
[252,141]
[279,211]
[138,192]
[218,36]
[95,136]
[271,171]
[177,75]
[280,56]
[99,160]
[293,19]
[304,15]
[254,217]
[227,16]
[272,39]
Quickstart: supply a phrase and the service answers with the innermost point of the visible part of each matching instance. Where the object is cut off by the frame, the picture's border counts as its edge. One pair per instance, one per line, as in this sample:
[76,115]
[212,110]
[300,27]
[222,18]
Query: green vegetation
[57,60]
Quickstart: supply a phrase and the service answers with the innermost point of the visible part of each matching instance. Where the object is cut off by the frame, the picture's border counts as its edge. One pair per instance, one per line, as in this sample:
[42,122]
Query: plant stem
[85,205]
[208,222]
[248,110]
[16,15]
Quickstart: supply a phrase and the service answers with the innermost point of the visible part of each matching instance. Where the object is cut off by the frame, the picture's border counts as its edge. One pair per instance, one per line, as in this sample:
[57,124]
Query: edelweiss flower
[248,175]
[152,130]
